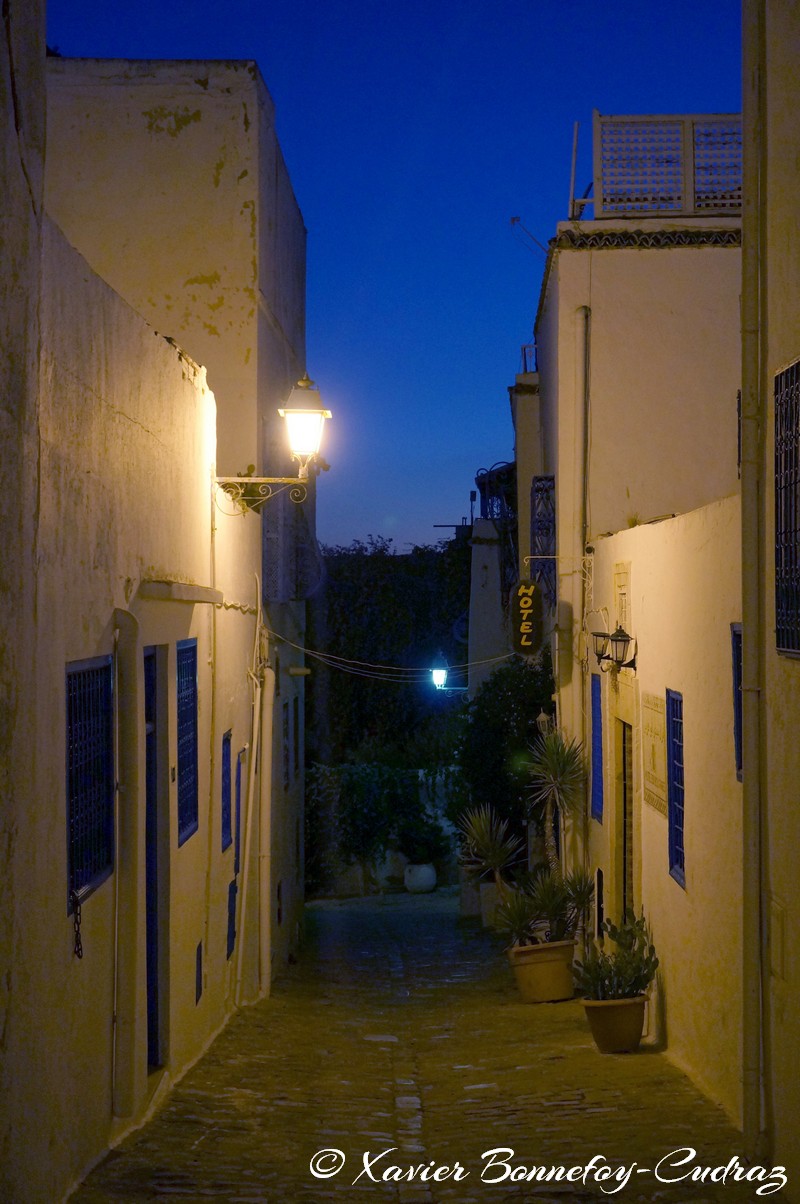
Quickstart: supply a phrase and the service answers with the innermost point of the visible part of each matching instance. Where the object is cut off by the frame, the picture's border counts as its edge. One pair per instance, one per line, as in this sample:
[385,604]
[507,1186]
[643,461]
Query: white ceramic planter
[419,879]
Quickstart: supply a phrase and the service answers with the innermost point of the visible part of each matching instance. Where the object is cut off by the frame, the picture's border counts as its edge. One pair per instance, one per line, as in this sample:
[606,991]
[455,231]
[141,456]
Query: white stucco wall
[684,593]
[169,178]
[127,437]
[780,346]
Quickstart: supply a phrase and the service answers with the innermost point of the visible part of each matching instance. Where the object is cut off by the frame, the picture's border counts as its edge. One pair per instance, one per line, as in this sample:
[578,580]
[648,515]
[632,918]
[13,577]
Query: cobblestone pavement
[400,1029]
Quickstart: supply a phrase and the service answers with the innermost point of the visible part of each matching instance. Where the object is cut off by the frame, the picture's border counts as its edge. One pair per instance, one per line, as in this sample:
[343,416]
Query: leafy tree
[382,607]
[494,752]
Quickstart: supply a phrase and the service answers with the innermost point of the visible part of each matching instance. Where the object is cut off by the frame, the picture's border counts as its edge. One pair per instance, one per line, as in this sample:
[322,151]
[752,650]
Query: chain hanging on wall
[76,922]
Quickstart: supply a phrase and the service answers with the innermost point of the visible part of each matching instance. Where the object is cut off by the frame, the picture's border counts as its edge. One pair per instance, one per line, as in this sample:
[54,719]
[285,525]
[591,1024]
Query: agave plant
[558,769]
[489,849]
[624,973]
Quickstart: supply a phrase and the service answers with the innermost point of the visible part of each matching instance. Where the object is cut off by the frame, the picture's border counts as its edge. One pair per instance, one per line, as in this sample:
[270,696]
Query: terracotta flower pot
[616,1024]
[543,972]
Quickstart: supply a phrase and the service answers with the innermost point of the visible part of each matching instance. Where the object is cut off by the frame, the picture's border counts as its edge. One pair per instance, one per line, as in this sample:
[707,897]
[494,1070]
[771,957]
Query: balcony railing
[677,165]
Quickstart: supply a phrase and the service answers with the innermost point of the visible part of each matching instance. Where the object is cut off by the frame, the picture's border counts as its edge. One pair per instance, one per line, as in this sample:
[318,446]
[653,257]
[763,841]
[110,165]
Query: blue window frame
[89,775]
[787,509]
[675,787]
[597,750]
[736,659]
[187,739]
[227,835]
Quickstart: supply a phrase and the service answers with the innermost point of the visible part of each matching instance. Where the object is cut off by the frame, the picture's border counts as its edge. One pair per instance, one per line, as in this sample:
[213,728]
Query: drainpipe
[753,952]
[255,676]
[265,835]
[584,380]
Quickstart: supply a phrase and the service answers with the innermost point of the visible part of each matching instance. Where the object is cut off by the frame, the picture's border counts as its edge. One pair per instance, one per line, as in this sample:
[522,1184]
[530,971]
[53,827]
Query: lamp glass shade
[600,640]
[439,678]
[304,428]
[620,642]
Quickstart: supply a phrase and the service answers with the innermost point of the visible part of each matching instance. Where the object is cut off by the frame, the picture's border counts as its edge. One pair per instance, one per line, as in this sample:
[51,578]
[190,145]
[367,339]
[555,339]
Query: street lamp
[439,676]
[305,417]
[619,643]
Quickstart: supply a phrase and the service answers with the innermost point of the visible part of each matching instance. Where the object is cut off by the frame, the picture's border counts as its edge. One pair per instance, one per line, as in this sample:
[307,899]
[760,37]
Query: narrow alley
[400,1030]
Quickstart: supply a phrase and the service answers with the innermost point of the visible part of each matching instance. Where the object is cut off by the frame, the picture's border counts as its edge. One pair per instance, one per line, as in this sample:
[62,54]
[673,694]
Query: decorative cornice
[603,240]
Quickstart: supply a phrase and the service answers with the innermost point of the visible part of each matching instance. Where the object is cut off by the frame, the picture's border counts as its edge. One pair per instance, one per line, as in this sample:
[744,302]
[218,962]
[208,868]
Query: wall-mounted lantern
[612,649]
[305,418]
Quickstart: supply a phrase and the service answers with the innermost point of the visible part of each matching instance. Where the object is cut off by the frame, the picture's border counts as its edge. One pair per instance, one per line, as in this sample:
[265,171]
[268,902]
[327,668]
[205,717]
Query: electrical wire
[376,672]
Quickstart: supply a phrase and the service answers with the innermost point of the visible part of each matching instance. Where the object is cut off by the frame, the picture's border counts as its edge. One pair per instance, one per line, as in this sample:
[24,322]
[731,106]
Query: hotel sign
[526,618]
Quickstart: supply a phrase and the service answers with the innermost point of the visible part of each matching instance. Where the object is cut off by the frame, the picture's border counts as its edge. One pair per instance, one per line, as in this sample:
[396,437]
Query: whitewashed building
[151,851]
[628,499]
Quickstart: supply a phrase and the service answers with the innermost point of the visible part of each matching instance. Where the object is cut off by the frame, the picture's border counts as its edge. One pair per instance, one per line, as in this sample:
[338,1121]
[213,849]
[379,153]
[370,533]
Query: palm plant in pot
[614,985]
[543,922]
[489,851]
[540,919]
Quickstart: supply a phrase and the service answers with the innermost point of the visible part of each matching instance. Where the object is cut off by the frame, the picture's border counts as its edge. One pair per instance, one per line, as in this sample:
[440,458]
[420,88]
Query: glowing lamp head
[439,678]
[305,420]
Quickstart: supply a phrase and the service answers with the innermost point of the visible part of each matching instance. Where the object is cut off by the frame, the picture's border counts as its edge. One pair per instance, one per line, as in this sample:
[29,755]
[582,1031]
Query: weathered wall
[183,202]
[488,627]
[684,593]
[22,130]
[168,177]
[780,346]
[127,450]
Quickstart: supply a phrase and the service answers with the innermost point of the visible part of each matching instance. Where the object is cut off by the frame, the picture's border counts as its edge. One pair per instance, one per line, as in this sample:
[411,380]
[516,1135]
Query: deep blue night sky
[413,133]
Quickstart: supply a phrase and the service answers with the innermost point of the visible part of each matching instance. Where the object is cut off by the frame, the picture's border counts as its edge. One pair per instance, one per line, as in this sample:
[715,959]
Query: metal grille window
[227,835]
[736,657]
[597,750]
[90,775]
[675,786]
[787,509]
[543,537]
[187,739]
[668,164]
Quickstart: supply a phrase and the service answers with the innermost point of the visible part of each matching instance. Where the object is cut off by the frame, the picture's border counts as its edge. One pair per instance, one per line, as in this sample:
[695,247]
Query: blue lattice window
[787,509]
[227,835]
[597,750]
[90,775]
[187,739]
[543,537]
[675,786]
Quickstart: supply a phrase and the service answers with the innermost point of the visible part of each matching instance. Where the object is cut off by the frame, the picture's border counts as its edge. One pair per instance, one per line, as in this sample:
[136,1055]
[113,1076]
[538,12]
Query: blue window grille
[90,775]
[787,509]
[187,740]
[543,537]
[736,659]
[227,835]
[597,750]
[231,917]
[675,786]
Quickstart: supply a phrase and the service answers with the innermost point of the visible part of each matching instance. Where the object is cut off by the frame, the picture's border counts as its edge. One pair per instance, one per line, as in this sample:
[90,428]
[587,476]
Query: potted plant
[489,851]
[422,842]
[615,985]
[541,918]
